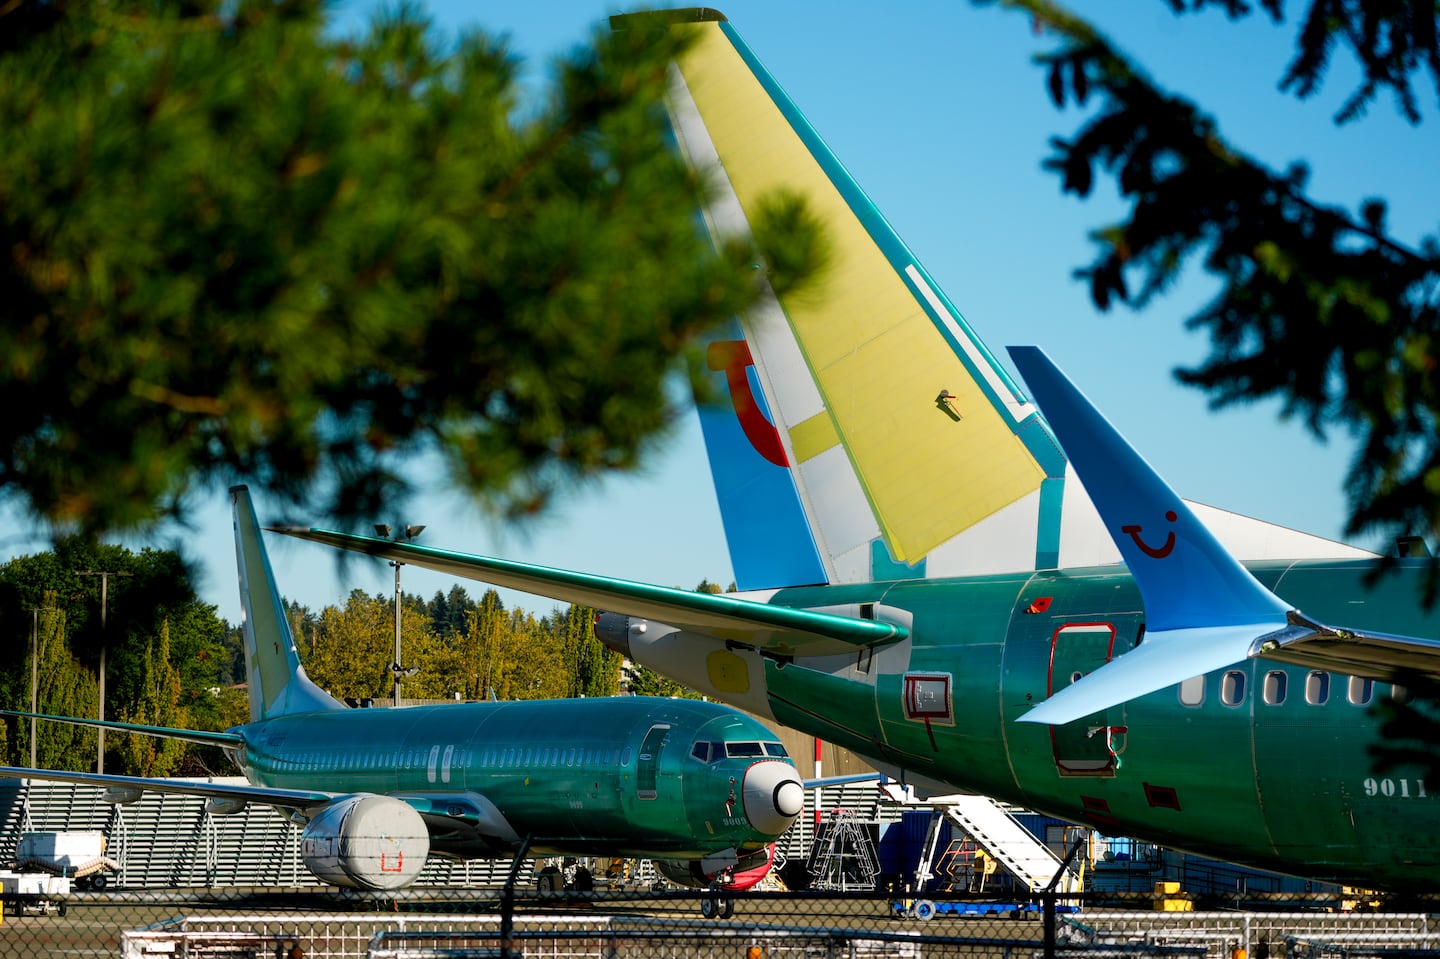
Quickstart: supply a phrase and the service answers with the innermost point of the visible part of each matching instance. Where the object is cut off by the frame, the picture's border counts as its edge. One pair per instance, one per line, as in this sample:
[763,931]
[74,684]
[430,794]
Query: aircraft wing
[1353,652]
[203,737]
[774,628]
[302,799]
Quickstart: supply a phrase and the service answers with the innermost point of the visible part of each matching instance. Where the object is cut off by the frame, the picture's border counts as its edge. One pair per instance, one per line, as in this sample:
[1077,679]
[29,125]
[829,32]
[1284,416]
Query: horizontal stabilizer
[777,629]
[1163,659]
[202,737]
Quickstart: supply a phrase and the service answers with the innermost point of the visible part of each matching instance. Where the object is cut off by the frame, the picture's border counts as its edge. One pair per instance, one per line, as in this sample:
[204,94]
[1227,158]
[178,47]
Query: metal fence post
[507,905]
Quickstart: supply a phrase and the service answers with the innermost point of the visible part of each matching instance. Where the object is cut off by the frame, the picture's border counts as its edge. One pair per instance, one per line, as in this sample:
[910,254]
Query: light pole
[397,667]
[104,575]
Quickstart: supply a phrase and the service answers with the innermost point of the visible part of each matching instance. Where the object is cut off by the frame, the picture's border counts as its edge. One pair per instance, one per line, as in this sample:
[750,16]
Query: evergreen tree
[236,244]
[1319,306]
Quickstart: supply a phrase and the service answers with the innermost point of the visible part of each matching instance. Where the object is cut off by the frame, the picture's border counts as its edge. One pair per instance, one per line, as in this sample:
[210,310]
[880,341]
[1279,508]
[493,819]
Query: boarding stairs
[1033,864]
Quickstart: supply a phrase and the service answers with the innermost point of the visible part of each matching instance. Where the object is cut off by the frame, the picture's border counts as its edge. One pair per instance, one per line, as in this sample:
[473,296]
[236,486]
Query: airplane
[698,787]
[981,591]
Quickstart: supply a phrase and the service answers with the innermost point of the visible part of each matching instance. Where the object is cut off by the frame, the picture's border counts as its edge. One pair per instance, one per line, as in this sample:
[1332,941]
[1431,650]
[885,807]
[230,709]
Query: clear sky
[939,114]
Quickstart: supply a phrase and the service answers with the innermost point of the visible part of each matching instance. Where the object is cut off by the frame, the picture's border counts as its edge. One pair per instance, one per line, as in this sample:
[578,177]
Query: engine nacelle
[366,842]
[729,872]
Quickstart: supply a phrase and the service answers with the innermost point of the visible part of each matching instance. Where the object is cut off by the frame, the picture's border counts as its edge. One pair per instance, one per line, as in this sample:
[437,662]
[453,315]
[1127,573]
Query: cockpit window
[734,750]
[776,749]
[701,751]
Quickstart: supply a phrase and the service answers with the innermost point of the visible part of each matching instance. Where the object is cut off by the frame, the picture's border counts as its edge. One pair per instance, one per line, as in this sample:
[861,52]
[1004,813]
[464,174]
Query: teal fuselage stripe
[1047,535]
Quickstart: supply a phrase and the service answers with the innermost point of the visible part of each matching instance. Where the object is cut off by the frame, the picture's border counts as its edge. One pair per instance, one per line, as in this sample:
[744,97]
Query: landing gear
[715,904]
[551,880]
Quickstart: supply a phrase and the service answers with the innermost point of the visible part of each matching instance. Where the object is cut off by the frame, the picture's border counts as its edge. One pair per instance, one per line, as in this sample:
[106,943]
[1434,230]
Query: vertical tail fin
[869,434]
[277,681]
[870,431]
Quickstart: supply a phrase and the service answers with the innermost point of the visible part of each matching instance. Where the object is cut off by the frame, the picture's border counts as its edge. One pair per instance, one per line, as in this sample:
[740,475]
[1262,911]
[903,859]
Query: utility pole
[104,575]
[403,535]
[35,674]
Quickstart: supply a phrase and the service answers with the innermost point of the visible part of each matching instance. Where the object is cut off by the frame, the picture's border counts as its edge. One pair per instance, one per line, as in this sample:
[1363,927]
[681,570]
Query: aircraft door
[647,767]
[1089,746]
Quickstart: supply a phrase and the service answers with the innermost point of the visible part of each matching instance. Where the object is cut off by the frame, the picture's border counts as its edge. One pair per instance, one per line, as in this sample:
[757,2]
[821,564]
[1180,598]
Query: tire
[546,882]
[924,910]
[727,907]
[99,881]
[709,908]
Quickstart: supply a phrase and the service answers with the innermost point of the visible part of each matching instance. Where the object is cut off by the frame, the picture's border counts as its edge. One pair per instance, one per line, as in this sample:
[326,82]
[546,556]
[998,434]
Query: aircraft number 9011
[1396,788]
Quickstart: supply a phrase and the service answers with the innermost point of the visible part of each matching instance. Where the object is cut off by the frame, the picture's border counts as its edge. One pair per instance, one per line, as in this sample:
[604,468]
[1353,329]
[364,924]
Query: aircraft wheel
[709,907]
[99,882]
[584,880]
[924,910]
[727,907]
[546,882]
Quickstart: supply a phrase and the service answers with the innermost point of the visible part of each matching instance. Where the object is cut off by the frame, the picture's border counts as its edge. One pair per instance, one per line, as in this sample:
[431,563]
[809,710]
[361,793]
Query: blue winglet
[1203,610]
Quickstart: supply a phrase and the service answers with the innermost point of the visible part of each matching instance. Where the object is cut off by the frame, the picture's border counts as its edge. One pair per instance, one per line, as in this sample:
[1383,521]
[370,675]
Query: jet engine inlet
[773,796]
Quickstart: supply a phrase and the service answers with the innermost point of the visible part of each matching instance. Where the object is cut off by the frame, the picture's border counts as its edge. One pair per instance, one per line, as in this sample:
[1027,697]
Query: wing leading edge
[778,629]
[303,799]
[203,737]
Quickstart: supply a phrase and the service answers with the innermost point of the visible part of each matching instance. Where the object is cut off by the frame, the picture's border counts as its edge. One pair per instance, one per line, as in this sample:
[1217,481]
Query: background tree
[65,688]
[355,646]
[153,604]
[594,668]
[1318,306]
[158,705]
[236,245]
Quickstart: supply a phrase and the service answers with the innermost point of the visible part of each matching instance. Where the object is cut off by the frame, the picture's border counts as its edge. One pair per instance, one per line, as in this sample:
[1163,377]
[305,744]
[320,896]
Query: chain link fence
[306,923]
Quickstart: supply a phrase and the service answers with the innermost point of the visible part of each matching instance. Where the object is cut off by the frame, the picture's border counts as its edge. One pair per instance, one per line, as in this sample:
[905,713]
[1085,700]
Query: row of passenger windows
[710,752]
[500,757]
[1275,687]
[553,757]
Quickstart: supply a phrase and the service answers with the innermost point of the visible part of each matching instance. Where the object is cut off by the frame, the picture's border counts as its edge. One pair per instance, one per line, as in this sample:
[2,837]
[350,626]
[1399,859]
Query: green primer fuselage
[586,776]
[1263,763]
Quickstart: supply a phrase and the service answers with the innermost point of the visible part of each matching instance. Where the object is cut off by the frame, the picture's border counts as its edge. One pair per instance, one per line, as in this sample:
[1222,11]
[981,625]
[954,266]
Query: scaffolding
[844,856]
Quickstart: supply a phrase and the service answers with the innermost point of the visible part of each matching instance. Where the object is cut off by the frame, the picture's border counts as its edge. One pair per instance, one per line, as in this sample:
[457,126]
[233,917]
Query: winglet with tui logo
[1203,610]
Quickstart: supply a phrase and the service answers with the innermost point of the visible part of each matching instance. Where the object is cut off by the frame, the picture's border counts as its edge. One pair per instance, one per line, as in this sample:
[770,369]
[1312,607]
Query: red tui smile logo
[1154,552]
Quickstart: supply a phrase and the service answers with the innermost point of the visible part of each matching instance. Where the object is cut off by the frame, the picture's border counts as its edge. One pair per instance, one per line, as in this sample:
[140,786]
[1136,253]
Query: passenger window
[1317,688]
[1360,690]
[625,756]
[1232,688]
[1192,691]
[1276,682]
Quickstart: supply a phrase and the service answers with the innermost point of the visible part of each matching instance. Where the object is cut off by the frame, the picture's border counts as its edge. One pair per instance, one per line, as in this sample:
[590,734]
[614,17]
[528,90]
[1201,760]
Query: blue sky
[940,116]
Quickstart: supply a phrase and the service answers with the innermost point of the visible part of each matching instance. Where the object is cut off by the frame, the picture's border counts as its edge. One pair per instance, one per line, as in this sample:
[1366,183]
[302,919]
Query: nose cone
[773,796]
